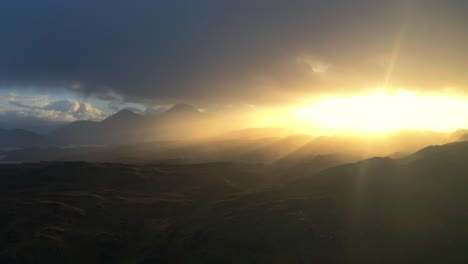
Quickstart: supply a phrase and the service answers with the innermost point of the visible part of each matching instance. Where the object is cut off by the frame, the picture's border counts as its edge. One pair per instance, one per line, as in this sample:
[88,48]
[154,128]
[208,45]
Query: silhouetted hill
[181,122]
[298,152]
[79,132]
[415,140]
[19,138]
[378,210]
[453,152]
[123,117]
[118,128]
[354,148]
[390,206]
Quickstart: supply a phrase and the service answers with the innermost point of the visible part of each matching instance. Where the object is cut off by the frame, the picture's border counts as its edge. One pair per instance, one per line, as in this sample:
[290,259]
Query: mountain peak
[182,108]
[124,114]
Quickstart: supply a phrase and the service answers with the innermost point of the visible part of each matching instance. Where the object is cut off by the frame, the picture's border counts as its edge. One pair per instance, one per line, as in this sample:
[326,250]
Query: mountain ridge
[126,126]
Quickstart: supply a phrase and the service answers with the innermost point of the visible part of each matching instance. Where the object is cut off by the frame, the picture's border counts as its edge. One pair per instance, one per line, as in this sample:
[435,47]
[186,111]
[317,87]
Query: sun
[388,112]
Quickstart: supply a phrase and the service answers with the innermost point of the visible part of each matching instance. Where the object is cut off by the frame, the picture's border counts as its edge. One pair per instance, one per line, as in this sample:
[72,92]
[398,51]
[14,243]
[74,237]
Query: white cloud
[64,106]
[60,111]
[24,100]
[151,110]
[88,112]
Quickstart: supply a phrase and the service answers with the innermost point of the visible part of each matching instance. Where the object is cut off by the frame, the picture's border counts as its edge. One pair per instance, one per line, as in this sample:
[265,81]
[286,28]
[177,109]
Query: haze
[233,131]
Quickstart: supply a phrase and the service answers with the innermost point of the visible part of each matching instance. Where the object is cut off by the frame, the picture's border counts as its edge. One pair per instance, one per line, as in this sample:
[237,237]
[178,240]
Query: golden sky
[356,65]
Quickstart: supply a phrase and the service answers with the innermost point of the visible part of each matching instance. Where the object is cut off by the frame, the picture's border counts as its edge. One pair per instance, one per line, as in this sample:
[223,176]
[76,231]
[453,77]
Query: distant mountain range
[128,127]
[182,121]
[20,138]
[215,137]
[305,153]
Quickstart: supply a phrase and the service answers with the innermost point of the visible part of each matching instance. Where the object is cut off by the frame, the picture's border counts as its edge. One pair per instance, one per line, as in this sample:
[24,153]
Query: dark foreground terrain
[381,210]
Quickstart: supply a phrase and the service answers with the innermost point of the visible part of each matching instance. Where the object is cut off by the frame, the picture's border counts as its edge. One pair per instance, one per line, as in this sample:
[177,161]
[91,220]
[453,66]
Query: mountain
[121,118]
[181,121]
[391,207]
[20,138]
[118,128]
[354,148]
[183,109]
[79,132]
[125,127]
[180,112]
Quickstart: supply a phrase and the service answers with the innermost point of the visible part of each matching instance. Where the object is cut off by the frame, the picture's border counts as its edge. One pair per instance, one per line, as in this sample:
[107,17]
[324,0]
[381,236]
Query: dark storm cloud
[180,50]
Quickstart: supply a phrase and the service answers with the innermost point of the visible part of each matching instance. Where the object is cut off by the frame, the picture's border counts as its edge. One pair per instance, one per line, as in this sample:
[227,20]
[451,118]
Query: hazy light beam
[383,112]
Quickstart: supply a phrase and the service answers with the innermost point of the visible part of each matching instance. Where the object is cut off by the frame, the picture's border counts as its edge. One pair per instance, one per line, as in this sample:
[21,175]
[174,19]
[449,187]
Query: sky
[62,61]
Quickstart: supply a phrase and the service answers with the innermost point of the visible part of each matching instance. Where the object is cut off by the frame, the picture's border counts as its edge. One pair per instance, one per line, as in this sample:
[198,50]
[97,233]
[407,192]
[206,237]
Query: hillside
[294,151]
[379,210]
[19,138]
[124,127]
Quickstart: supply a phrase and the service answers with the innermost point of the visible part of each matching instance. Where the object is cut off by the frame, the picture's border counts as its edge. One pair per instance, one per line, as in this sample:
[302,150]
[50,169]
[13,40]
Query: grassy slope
[411,210]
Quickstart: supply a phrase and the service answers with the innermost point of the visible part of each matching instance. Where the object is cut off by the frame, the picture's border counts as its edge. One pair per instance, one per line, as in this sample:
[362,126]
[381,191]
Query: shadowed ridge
[452,153]
[122,115]
[117,128]
[18,138]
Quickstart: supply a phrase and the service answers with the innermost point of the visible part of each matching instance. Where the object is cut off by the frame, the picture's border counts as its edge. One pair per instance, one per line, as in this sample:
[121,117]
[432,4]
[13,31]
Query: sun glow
[385,112]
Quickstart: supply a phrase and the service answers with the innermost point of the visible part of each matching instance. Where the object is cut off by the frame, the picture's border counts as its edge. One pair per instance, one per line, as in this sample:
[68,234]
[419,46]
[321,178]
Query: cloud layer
[227,51]
[29,112]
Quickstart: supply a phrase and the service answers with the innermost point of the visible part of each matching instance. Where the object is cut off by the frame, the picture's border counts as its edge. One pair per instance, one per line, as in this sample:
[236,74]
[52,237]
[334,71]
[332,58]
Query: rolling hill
[19,138]
[378,210]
